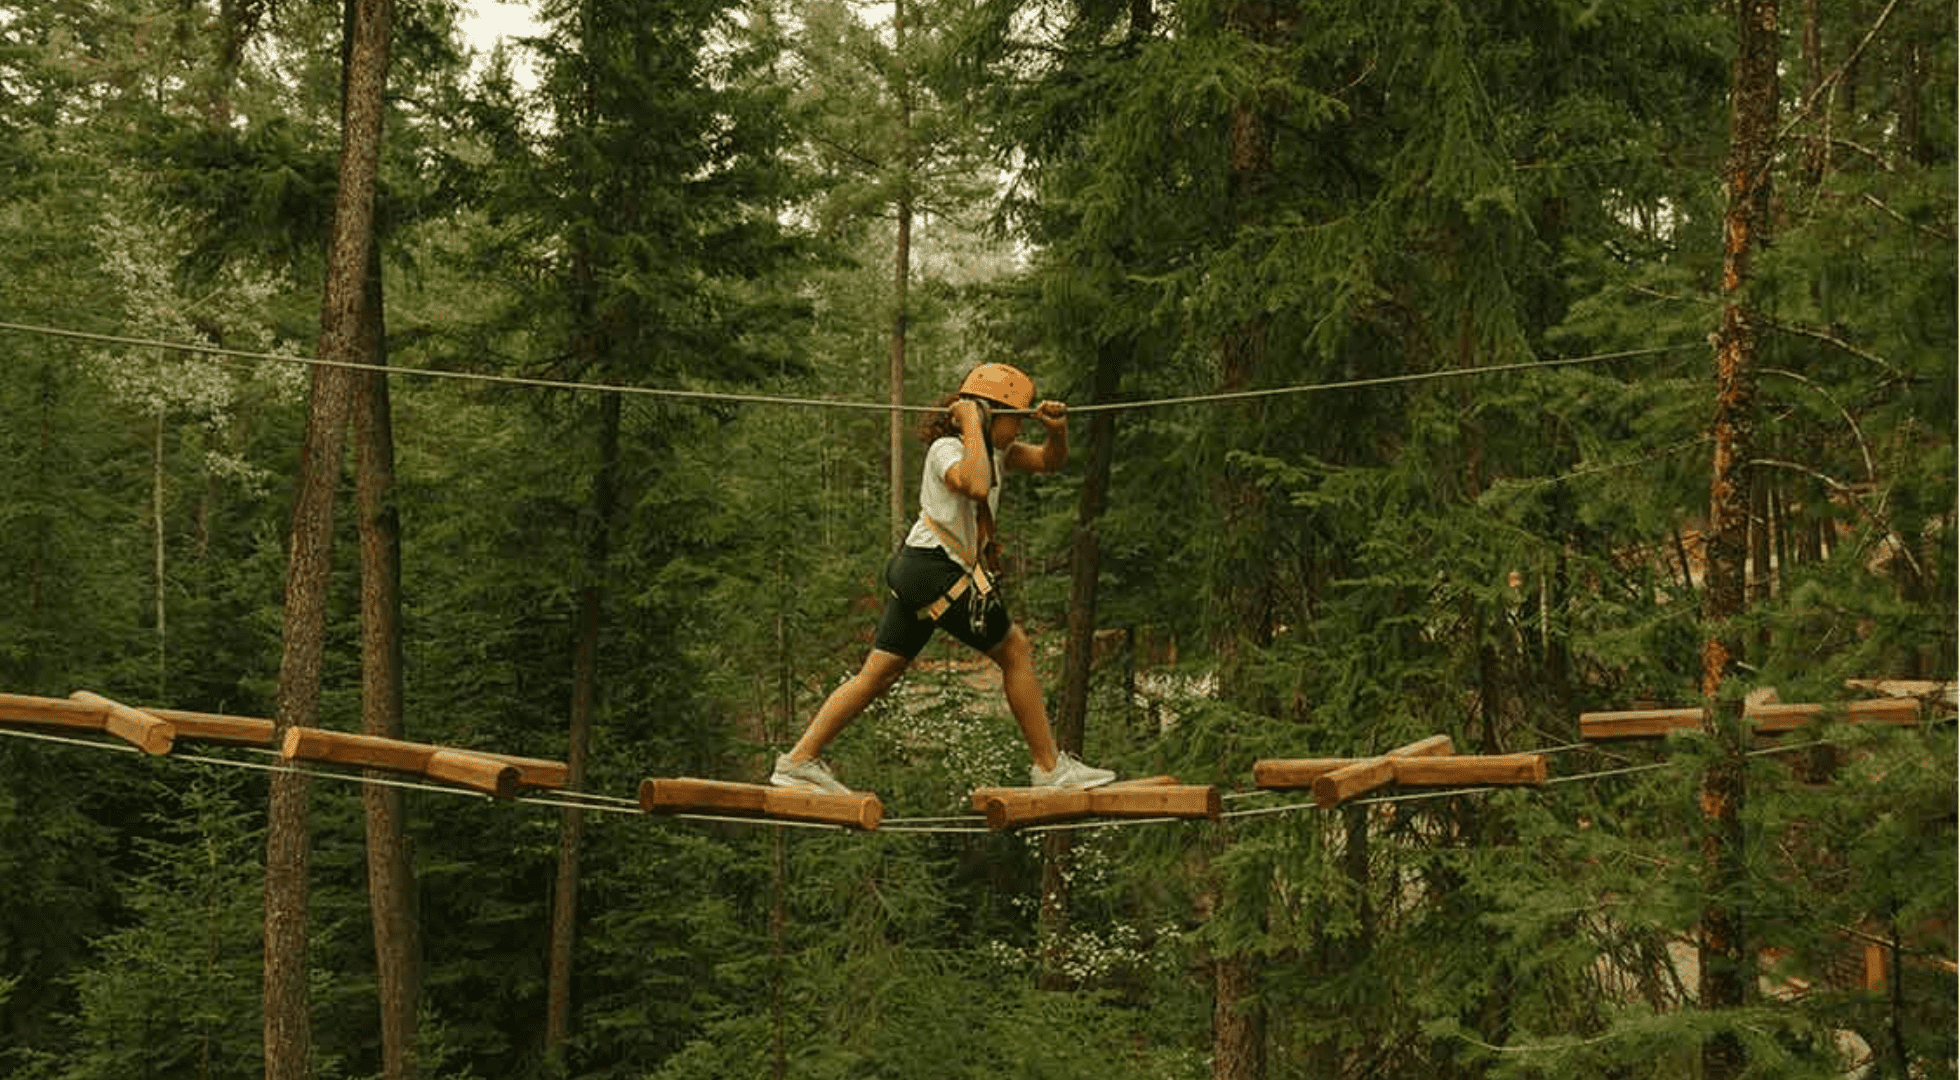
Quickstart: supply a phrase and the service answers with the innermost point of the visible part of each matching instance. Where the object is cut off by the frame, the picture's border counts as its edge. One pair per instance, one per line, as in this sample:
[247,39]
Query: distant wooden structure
[1430,762]
[498,775]
[154,731]
[1764,719]
[684,795]
[1152,797]
[157,731]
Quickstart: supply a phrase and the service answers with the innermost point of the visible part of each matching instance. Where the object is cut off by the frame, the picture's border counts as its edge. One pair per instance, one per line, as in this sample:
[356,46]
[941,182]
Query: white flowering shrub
[936,737]
[140,256]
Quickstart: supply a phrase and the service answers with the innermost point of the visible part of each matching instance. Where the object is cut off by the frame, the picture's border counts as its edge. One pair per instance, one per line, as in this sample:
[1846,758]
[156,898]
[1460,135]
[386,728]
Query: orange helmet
[1001,384]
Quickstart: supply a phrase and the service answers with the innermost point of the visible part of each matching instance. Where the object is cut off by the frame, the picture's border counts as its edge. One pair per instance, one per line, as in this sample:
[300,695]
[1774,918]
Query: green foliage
[1429,189]
[175,991]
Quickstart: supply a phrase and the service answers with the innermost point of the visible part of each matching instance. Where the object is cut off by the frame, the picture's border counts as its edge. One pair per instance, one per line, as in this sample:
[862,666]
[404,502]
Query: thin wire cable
[221,352]
[69,740]
[1382,380]
[966,825]
[527,382]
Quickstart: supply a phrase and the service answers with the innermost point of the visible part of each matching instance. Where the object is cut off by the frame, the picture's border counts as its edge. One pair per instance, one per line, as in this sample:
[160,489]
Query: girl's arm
[1052,454]
[972,473]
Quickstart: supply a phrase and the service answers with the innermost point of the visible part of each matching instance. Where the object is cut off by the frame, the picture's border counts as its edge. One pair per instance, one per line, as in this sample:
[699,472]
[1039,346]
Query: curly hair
[938,423]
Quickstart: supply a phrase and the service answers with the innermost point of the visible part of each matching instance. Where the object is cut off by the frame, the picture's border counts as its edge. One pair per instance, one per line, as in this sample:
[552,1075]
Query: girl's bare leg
[1015,655]
[881,669]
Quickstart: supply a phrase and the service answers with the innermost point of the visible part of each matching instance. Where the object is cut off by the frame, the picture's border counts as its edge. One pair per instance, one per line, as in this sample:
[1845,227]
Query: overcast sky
[485,21]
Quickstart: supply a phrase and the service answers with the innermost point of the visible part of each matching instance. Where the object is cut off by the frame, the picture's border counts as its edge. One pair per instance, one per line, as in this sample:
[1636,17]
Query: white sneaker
[805,776]
[1069,773]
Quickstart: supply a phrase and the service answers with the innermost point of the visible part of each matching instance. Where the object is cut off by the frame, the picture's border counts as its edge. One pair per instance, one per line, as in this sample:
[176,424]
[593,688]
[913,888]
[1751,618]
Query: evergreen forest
[1434,368]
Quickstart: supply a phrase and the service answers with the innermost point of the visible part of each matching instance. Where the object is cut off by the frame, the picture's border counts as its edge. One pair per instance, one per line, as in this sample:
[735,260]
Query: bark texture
[288,1035]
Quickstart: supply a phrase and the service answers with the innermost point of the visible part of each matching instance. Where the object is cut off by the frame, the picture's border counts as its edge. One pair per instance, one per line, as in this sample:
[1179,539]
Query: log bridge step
[154,731]
[1766,719]
[1430,762]
[1152,797]
[499,775]
[685,794]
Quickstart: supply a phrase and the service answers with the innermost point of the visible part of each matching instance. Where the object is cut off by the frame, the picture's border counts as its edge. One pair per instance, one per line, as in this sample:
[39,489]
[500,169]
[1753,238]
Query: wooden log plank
[481,772]
[49,712]
[1139,782]
[1008,808]
[1163,796]
[1357,778]
[91,712]
[1290,774]
[981,796]
[138,728]
[1937,694]
[858,810]
[1637,723]
[535,772]
[492,774]
[1161,800]
[1502,769]
[348,748]
[1767,719]
[716,796]
[1366,775]
[202,727]
[1775,719]
[1019,795]
[216,728]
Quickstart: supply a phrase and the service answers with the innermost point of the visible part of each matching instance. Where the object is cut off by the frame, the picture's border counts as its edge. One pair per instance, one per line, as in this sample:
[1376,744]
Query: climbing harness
[982,577]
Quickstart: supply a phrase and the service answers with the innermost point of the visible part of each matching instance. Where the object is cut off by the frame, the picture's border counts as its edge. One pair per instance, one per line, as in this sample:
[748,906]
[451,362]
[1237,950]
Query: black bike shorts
[916,577]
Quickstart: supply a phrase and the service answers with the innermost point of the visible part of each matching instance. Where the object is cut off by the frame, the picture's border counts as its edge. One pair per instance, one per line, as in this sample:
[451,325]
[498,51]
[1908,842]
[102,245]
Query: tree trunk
[901,281]
[1238,1021]
[1245,577]
[391,877]
[1723,946]
[1078,656]
[288,1037]
[1085,554]
[585,693]
[157,553]
[1746,225]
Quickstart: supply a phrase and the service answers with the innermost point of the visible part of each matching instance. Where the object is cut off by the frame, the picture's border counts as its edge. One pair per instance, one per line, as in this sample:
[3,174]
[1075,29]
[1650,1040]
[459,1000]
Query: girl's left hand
[1052,414]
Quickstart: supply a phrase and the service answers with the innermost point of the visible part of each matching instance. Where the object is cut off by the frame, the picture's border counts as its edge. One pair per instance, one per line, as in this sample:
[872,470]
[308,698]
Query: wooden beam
[1156,800]
[1637,723]
[1007,808]
[680,795]
[1775,719]
[1366,775]
[481,772]
[84,715]
[211,727]
[534,772]
[492,774]
[1157,796]
[1470,769]
[140,729]
[982,796]
[49,712]
[1767,719]
[1291,774]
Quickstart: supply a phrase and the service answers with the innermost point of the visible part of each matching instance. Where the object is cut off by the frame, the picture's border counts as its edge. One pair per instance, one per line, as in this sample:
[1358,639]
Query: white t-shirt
[953,511]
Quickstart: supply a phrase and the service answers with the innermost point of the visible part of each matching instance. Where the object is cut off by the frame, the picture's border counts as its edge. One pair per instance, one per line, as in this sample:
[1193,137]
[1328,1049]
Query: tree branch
[1886,535]
[1834,341]
[1864,448]
[1830,83]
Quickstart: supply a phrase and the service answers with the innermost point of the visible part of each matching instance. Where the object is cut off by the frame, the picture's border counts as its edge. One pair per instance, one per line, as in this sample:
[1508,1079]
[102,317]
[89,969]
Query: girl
[941,577]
